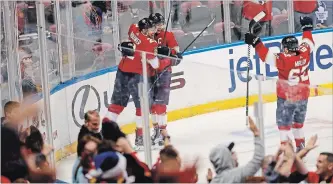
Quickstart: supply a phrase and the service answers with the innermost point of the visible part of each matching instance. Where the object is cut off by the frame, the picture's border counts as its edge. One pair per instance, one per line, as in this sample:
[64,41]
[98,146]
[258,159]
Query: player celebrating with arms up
[168,46]
[293,85]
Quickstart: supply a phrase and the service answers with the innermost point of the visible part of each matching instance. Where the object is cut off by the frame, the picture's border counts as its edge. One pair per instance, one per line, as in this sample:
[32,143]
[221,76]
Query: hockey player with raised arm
[293,85]
[129,73]
[168,48]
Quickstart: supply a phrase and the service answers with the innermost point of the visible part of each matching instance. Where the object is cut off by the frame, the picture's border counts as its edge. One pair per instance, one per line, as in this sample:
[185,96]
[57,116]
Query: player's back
[293,74]
[142,44]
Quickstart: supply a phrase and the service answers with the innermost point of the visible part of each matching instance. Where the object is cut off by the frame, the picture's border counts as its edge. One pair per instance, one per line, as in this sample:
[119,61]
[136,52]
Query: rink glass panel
[189,18]
[3,64]
[92,28]
[131,12]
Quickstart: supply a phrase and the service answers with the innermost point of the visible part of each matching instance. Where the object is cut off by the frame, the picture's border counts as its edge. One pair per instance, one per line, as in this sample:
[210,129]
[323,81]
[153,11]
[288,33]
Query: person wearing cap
[225,161]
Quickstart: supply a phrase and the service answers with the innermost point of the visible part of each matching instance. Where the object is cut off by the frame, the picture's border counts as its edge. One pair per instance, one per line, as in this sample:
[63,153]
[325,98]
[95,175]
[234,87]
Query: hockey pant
[291,116]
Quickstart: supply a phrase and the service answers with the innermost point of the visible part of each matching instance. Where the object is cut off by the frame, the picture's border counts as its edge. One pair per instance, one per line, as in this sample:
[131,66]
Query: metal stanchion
[143,92]
[70,39]
[115,30]
[1,78]
[258,109]
[45,78]
[11,62]
[227,21]
[258,113]
[59,40]
[291,19]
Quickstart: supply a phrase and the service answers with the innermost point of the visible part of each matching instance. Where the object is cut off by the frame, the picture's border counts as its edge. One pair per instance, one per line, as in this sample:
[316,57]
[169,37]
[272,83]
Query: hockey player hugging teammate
[293,85]
[129,72]
[168,56]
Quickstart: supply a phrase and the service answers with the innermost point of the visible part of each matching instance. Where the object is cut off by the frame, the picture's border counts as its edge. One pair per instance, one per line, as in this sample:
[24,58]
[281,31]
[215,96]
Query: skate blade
[157,147]
[138,148]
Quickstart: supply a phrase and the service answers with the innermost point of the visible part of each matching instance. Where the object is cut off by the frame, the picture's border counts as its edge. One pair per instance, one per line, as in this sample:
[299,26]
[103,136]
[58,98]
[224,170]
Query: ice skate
[300,147]
[138,142]
[156,137]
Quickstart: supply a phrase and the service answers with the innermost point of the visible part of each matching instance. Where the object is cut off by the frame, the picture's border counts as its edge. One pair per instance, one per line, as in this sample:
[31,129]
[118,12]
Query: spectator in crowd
[14,113]
[112,133]
[168,168]
[225,161]
[87,148]
[18,163]
[11,111]
[324,171]
[279,169]
[29,73]
[249,10]
[92,122]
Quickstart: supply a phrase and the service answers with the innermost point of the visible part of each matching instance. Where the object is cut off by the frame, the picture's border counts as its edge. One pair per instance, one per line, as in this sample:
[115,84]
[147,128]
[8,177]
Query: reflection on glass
[3,64]
[190,18]
[93,36]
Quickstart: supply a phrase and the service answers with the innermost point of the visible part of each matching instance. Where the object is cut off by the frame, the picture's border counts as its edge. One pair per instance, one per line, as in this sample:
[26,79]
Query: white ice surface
[196,136]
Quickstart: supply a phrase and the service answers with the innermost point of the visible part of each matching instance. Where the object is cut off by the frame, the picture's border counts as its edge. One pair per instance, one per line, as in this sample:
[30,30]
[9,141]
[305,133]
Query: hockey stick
[188,46]
[198,35]
[166,27]
[252,24]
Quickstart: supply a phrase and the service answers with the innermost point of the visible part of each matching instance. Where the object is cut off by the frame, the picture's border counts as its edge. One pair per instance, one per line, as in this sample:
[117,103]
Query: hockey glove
[126,48]
[252,39]
[177,59]
[163,51]
[307,23]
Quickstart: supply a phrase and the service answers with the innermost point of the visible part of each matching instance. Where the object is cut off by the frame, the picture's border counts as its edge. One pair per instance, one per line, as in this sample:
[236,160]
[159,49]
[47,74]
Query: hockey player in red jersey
[293,85]
[129,73]
[169,49]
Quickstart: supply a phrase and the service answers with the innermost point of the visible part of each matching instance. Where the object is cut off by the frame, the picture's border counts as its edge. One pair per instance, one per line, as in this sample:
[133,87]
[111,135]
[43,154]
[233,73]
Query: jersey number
[298,75]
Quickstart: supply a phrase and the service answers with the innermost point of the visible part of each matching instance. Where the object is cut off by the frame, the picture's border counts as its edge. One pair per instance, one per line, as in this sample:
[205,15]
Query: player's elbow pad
[270,58]
[154,63]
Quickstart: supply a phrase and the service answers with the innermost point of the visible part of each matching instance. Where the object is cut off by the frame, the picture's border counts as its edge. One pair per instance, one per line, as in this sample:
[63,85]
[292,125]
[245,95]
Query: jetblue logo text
[321,58]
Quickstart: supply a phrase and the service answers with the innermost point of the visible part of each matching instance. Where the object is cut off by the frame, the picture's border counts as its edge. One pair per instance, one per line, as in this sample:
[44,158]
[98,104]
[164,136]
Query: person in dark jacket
[91,125]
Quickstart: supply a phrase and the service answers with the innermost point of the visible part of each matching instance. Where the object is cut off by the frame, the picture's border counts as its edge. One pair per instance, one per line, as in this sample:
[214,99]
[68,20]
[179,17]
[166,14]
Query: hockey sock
[162,121]
[284,133]
[159,114]
[113,112]
[139,132]
[298,133]
[154,119]
[138,118]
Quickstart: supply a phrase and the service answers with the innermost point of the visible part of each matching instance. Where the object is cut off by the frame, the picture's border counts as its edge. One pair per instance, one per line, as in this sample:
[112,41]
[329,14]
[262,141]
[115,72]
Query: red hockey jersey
[171,42]
[142,44]
[293,83]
